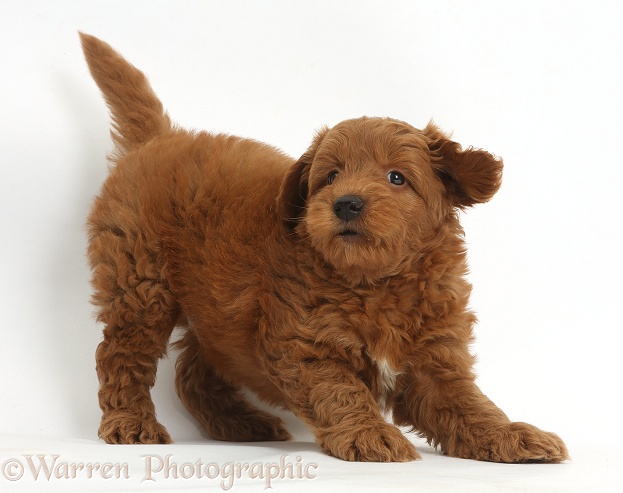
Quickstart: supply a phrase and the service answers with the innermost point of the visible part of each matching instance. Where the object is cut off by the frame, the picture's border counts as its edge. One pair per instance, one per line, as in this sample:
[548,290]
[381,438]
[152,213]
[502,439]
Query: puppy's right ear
[295,186]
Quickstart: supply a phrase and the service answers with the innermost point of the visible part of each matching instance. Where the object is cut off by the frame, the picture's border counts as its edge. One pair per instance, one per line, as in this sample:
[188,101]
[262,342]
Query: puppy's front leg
[340,409]
[441,401]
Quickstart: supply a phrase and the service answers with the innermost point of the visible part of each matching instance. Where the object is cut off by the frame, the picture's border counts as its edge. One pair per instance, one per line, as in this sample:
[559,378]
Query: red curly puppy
[332,286]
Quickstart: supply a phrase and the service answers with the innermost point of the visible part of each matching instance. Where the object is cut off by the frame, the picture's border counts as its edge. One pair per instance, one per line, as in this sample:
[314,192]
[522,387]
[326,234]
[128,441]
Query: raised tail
[137,113]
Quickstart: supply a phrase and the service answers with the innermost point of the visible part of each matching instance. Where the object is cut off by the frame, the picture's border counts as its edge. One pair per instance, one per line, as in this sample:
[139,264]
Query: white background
[537,82]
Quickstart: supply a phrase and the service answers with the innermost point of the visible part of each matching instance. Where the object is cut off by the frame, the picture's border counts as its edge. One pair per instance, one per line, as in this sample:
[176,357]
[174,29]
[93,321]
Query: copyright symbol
[12,469]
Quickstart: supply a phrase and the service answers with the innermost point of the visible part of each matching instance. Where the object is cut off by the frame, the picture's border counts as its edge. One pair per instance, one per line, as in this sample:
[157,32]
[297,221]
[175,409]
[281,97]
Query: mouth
[351,236]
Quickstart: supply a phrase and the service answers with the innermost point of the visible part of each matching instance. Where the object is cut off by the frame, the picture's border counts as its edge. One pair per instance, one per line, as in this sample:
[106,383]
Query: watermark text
[156,468]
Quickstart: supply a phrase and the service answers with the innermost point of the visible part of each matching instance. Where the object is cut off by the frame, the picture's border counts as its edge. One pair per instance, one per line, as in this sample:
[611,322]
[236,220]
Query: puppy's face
[370,192]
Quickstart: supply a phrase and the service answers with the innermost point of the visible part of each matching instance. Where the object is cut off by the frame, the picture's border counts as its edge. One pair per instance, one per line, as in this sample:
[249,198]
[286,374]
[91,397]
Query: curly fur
[336,319]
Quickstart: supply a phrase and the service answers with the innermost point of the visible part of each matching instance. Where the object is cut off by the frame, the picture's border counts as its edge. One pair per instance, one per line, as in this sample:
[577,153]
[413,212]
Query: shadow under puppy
[332,285]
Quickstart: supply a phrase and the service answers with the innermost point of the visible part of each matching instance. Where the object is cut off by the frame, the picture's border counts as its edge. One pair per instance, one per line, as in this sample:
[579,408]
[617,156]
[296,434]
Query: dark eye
[396,178]
[331,177]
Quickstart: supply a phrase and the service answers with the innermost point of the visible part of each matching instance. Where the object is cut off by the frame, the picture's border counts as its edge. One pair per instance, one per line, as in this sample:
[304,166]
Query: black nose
[348,207]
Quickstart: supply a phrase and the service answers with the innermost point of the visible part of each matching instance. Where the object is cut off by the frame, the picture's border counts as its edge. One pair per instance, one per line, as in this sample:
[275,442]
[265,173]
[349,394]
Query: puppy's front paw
[382,443]
[518,442]
[126,428]
[523,442]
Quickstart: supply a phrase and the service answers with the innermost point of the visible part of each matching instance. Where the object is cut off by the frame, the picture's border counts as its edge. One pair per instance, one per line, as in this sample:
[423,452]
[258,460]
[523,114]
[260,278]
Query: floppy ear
[295,186]
[470,176]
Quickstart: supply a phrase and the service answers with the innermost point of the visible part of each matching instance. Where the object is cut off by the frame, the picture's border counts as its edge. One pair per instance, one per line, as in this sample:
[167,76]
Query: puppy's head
[370,192]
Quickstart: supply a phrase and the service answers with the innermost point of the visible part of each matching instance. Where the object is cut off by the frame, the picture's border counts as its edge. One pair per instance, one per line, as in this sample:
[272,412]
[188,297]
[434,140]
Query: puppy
[333,286]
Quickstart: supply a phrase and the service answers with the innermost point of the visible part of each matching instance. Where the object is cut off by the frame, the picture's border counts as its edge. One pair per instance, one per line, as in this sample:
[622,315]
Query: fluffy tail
[137,113]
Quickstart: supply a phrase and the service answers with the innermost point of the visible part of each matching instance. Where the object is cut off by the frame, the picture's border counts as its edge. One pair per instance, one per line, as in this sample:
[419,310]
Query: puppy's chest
[386,360]
[378,330]
[383,385]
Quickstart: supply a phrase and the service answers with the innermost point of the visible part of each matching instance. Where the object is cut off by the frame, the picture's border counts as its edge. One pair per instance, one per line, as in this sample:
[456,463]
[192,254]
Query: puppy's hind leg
[139,313]
[219,407]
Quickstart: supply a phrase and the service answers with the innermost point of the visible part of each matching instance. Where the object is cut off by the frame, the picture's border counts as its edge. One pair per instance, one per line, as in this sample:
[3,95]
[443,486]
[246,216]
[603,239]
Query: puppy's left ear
[295,186]
[470,176]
